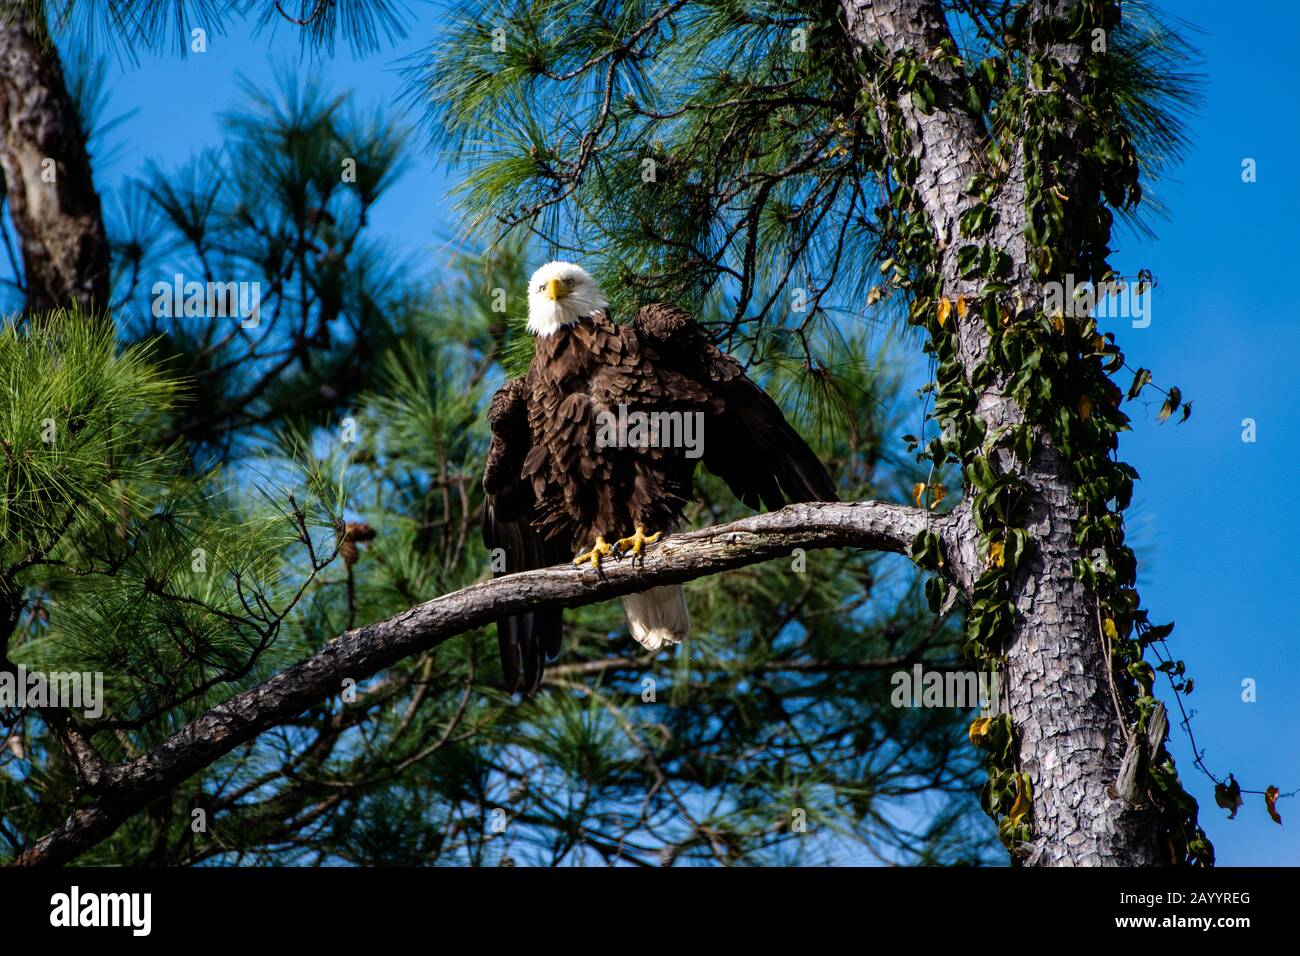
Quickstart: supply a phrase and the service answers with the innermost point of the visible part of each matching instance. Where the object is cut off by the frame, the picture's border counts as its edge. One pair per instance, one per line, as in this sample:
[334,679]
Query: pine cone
[349,534]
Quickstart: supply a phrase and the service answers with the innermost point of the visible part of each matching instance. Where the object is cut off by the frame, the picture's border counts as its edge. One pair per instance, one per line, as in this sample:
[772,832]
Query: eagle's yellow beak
[555,290]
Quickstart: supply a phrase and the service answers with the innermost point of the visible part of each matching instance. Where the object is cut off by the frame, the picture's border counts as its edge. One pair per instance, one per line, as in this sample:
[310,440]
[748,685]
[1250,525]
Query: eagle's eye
[569,282]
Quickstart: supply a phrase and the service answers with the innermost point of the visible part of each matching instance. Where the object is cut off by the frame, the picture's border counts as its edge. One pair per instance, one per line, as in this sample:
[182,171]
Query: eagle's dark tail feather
[533,638]
[528,640]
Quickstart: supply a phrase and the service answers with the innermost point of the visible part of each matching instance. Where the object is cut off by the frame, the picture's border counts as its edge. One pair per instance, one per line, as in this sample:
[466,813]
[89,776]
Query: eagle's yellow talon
[637,542]
[599,550]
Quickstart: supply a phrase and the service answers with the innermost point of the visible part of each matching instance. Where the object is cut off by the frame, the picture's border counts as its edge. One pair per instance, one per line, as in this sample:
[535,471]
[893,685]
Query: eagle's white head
[559,294]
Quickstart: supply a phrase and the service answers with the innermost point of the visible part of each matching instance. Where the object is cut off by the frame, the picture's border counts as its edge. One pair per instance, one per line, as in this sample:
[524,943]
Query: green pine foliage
[284,204]
[118,558]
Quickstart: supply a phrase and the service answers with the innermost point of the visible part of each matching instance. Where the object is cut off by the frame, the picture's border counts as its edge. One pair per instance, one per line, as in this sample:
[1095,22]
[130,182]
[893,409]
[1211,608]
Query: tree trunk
[51,192]
[1068,737]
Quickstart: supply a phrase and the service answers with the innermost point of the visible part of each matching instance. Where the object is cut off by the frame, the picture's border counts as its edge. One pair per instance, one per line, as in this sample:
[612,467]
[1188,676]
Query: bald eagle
[598,442]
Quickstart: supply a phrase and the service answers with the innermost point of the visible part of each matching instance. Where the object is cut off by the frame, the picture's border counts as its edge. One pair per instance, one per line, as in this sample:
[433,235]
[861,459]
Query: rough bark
[1069,739]
[118,791]
[60,226]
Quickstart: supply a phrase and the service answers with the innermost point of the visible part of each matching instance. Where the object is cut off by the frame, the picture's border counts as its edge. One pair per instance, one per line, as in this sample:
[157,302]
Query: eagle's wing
[507,524]
[747,441]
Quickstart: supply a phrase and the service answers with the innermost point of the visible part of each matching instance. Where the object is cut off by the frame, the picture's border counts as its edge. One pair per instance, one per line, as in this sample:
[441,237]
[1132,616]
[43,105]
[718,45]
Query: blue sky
[1214,517]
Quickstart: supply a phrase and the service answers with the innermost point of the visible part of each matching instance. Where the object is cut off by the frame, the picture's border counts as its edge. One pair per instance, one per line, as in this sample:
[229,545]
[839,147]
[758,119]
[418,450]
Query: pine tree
[192,508]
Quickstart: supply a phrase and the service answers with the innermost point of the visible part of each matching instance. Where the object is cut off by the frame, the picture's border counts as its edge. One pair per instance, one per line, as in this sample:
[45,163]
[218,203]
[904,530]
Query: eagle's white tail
[658,616]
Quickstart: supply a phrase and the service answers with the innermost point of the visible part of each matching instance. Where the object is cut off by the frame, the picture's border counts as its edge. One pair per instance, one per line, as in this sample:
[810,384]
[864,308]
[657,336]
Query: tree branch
[122,790]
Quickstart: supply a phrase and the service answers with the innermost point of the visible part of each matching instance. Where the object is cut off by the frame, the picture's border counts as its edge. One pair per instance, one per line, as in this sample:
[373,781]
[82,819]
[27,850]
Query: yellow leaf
[875,295]
[945,308]
[937,494]
[961,306]
[1060,195]
[1020,809]
[1058,323]
[1085,407]
[1110,630]
[997,554]
[918,490]
[979,728]
[1270,800]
